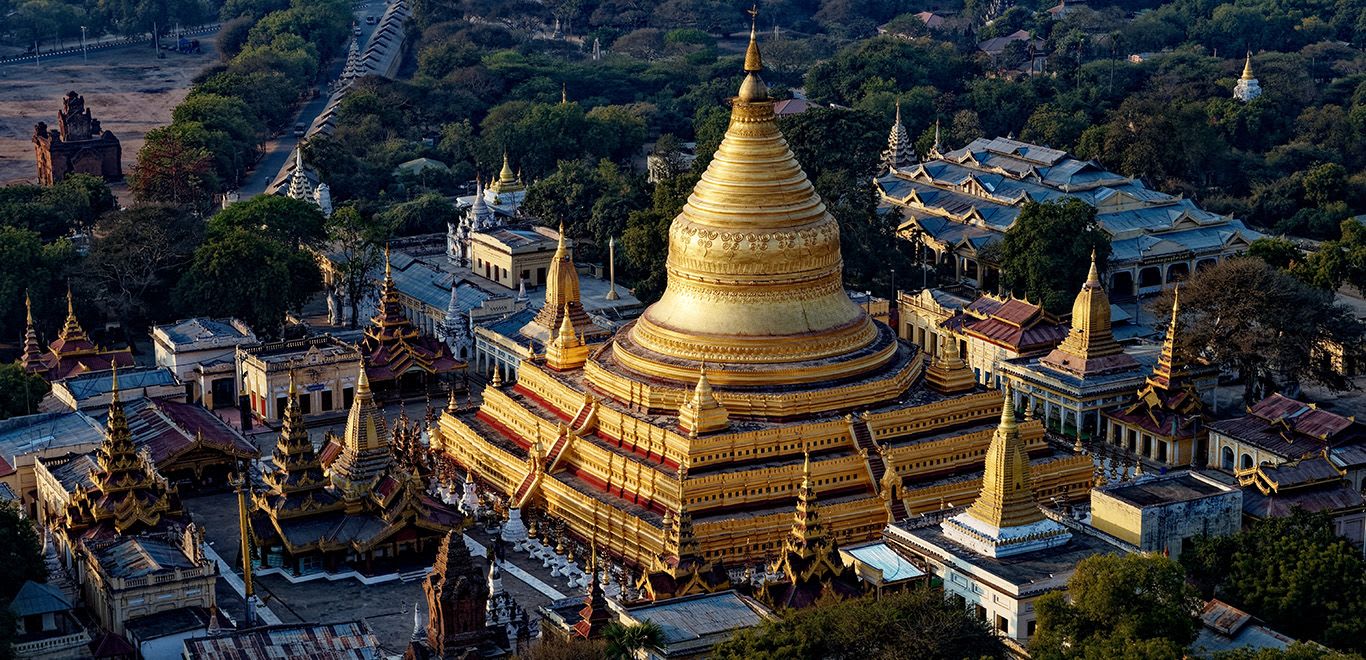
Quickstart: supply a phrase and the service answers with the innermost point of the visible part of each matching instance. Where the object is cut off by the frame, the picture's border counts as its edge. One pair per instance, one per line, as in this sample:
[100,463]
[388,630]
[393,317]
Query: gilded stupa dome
[755,278]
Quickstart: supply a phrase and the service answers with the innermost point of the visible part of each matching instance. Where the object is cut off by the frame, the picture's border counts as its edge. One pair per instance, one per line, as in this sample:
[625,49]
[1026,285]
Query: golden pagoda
[1090,348]
[706,403]
[809,563]
[949,373]
[1005,520]
[72,353]
[507,182]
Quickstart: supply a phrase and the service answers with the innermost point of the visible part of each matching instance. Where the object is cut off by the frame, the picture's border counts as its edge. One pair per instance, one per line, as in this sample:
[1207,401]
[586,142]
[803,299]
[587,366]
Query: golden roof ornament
[1247,67]
[1090,347]
[702,412]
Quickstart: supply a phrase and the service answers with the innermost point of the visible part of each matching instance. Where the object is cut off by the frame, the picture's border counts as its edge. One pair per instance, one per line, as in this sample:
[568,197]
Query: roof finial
[70,304]
[28,307]
[1093,277]
[388,270]
[114,384]
[753,62]
[564,94]
[1247,66]
[292,389]
[898,110]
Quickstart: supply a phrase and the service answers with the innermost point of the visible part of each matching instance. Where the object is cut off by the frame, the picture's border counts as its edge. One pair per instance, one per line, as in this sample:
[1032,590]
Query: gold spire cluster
[1090,347]
[566,350]
[1247,68]
[298,469]
[755,286]
[1007,498]
[508,181]
[949,373]
[365,450]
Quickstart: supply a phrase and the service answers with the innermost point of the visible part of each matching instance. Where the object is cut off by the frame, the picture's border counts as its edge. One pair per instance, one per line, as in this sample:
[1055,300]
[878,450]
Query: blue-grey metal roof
[194,330]
[36,598]
[889,562]
[694,617]
[44,432]
[131,557]
[99,383]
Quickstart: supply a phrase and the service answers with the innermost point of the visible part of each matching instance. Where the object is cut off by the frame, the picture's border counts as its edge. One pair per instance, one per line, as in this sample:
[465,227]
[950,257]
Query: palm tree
[624,641]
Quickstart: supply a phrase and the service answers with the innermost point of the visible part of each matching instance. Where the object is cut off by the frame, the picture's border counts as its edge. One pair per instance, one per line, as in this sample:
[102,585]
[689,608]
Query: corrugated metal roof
[693,617]
[36,598]
[881,556]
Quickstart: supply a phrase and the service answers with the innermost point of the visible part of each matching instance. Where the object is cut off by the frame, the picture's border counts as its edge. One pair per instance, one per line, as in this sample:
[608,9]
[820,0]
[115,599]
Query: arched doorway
[1177,272]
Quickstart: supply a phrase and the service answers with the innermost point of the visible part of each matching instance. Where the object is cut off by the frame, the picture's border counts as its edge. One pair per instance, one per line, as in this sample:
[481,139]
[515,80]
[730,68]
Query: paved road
[280,149]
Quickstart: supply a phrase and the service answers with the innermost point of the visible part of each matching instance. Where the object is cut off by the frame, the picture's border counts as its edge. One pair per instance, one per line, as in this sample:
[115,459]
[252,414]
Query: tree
[20,392]
[355,251]
[21,554]
[915,624]
[1132,606]
[625,641]
[427,214]
[1338,261]
[250,275]
[1280,253]
[1270,340]
[172,170]
[1046,253]
[1293,572]
[29,265]
[291,221]
[135,258]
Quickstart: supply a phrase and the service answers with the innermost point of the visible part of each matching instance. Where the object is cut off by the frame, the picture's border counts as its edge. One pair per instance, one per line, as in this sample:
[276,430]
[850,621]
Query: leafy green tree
[29,264]
[427,214]
[1338,261]
[135,258]
[173,170]
[21,554]
[1293,572]
[625,641]
[291,221]
[885,63]
[593,201]
[1131,606]
[355,246]
[1296,651]
[250,275]
[20,392]
[1281,253]
[1046,253]
[916,624]
[1271,339]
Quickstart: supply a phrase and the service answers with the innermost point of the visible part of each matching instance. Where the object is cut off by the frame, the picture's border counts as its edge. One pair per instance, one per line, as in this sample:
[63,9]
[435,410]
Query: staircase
[580,421]
[863,436]
[523,492]
[556,451]
[899,510]
[413,575]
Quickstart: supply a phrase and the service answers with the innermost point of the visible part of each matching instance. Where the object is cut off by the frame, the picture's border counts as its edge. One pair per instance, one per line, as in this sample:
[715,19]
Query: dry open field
[127,89]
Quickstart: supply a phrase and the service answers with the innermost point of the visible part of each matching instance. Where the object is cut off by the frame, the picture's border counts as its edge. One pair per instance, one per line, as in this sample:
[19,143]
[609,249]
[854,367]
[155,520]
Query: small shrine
[72,353]
[78,145]
[400,360]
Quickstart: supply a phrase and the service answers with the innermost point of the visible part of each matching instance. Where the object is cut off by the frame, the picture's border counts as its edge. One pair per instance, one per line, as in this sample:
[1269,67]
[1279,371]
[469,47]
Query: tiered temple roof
[72,353]
[393,346]
[1168,405]
[899,152]
[126,494]
[353,497]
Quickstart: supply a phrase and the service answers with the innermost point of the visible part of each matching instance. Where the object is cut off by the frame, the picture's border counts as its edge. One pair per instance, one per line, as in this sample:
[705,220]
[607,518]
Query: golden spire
[32,358]
[807,531]
[561,290]
[754,63]
[566,350]
[388,268]
[703,413]
[1090,347]
[949,373]
[1007,497]
[506,175]
[28,308]
[114,383]
[1247,67]
[564,94]
[1168,368]
[497,375]
[755,282]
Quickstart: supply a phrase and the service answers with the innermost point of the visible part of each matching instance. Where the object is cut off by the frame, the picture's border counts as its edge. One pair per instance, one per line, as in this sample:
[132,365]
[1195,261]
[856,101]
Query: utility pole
[84,55]
[249,593]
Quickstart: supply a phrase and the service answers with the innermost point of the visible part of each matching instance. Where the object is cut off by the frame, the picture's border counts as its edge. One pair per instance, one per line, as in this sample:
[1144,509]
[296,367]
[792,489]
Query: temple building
[1247,87]
[997,556]
[1087,374]
[961,200]
[708,403]
[122,492]
[357,504]
[1165,422]
[201,352]
[77,146]
[398,358]
[993,330]
[129,577]
[72,353]
[325,367]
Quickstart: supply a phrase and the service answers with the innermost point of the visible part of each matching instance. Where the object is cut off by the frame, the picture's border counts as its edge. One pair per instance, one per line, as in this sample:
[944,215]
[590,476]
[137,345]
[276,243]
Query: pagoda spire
[72,337]
[1168,370]
[566,350]
[1247,67]
[32,359]
[703,413]
[562,296]
[365,452]
[753,89]
[297,465]
[1005,519]
[949,373]
[807,532]
[899,152]
[594,616]
[1090,347]
[1247,88]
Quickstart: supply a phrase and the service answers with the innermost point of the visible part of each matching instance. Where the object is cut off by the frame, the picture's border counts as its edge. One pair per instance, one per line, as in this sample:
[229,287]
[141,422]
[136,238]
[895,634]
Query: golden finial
[114,385]
[753,62]
[1093,277]
[1008,422]
[292,390]
[1247,66]
[28,307]
[70,303]
[387,268]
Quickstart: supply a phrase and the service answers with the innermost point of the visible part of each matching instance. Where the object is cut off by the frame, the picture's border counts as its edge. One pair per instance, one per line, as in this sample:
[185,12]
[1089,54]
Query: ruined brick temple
[77,145]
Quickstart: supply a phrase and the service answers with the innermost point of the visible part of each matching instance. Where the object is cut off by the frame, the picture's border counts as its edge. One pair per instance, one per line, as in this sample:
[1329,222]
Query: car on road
[369,20]
[356,30]
[299,130]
